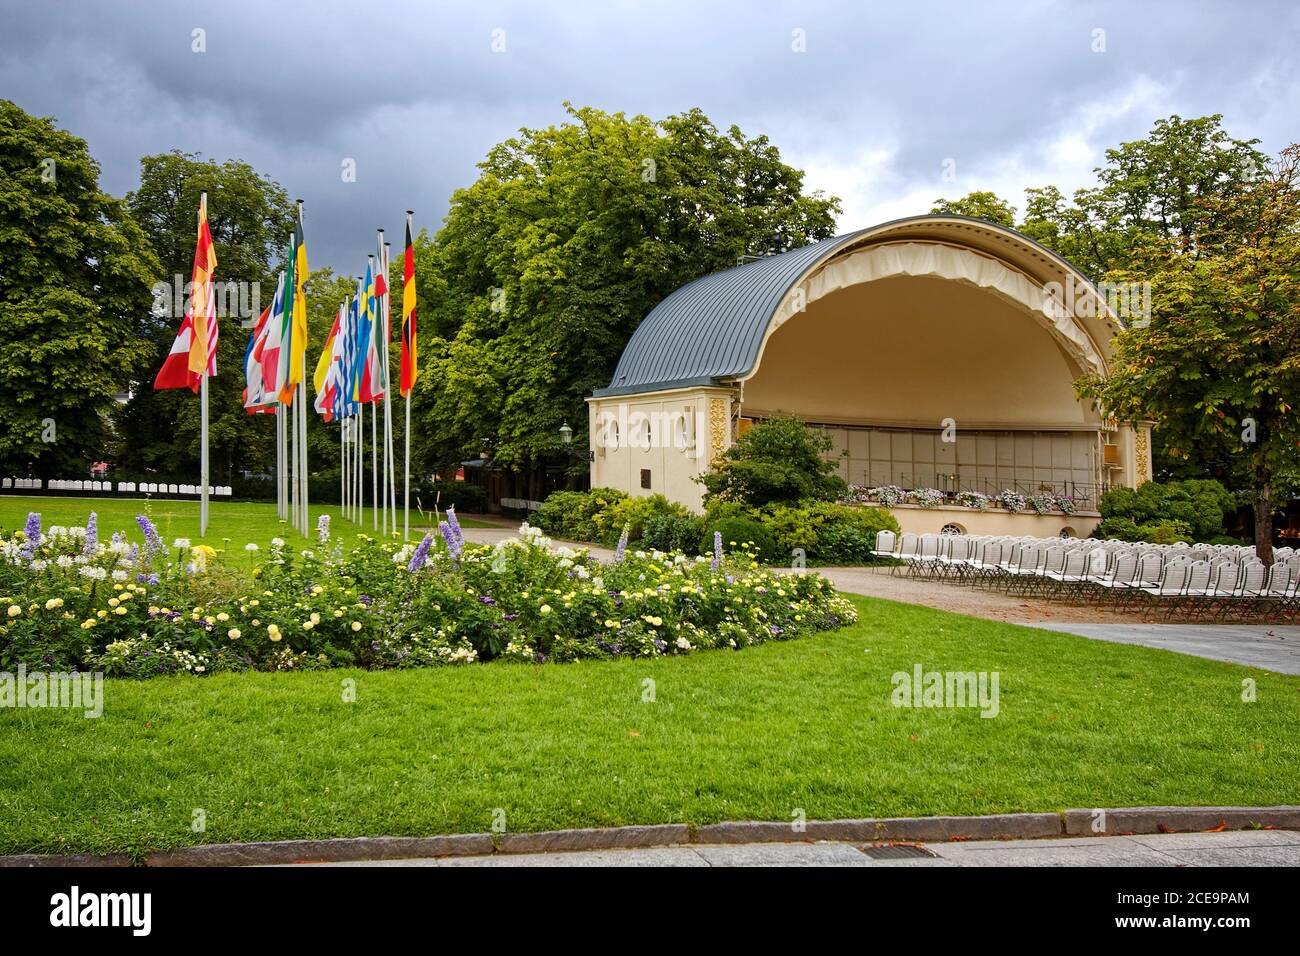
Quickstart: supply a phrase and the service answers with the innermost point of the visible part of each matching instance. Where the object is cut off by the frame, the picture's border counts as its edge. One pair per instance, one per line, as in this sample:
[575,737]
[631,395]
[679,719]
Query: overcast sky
[883,93]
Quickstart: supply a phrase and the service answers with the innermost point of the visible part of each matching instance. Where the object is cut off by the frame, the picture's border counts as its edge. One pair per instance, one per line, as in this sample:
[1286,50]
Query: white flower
[39,564]
[181,543]
[250,547]
[14,610]
[63,561]
[94,573]
[119,575]
[277,542]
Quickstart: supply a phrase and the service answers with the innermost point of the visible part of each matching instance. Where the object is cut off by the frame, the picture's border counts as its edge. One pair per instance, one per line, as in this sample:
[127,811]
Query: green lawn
[748,735]
[241,522]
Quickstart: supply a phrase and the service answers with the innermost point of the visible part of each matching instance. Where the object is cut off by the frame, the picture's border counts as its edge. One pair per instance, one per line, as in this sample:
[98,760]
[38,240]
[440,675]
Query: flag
[297,313]
[175,372]
[324,378]
[348,334]
[255,393]
[194,352]
[365,332]
[409,367]
[271,340]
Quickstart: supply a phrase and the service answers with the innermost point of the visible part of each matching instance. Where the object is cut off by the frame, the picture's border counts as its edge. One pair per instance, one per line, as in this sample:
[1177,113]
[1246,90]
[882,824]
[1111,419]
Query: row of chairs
[127,487]
[1189,580]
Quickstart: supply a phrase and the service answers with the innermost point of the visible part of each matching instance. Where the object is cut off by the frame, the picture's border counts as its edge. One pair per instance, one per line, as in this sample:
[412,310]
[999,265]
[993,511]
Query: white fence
[83,486]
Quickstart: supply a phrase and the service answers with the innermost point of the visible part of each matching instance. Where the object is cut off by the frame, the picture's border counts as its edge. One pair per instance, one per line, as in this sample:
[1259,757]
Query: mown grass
[748,735]
[240,522]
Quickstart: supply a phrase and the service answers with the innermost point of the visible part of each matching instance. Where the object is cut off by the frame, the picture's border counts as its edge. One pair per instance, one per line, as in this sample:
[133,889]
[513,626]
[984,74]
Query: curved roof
[712,329]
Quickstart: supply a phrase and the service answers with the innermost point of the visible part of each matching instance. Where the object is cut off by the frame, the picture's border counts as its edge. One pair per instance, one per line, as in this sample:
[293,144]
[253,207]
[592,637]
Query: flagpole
[382,357]
[390,462]
[406,454]
[203,455]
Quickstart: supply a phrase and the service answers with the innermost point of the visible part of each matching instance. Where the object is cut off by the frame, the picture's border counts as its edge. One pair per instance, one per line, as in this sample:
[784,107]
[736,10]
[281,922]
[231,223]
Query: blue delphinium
[32,536]
[421,553]
[455,543]
[453,525]
[92,535]
[621,550]
[717,551]
[153,542]
[323,528]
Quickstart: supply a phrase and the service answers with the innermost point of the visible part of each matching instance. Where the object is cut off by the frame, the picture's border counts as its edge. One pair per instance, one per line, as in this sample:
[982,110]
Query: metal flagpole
[203,392]
[291,447]
[382,357]
[361,461]
[302,400]
[279,458]
[390,464]
[406,455]
[374,467]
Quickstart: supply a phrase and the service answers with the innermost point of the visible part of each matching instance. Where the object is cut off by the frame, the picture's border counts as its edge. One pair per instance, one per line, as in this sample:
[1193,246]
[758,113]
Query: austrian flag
[194,353]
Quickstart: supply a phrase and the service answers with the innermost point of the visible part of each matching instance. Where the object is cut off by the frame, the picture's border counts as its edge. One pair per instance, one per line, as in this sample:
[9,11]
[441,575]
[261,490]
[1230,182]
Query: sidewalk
[1234,848]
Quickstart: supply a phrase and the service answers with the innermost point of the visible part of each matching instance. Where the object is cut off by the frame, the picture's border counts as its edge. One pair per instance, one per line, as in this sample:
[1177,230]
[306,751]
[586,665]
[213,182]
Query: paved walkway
[1268,646]
[1234,848]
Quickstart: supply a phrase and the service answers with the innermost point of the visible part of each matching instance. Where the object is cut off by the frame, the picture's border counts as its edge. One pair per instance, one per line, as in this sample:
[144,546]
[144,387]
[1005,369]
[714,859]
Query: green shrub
[564,514]
[780,461]
[738,534]
[1200,505]
[672,532]
[633,513]
[828,532]
[1154,532]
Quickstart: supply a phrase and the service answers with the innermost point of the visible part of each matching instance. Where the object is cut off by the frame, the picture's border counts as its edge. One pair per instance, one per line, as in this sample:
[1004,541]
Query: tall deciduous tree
[568,238]
[250,217]
[1219,365]
[75,277]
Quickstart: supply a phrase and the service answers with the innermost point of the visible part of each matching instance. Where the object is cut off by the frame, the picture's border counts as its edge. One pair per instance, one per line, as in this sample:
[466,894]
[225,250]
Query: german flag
[409,369]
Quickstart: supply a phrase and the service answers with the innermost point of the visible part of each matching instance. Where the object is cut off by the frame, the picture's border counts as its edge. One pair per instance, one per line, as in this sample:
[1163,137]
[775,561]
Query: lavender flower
[323,528]
[92,535]
[32,536]
[421,553]
[454,544]
[454,526]
[717,551]
[153,542]
[621,550]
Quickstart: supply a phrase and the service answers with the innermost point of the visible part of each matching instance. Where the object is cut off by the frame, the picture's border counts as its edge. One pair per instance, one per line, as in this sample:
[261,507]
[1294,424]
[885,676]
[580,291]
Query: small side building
[937,351]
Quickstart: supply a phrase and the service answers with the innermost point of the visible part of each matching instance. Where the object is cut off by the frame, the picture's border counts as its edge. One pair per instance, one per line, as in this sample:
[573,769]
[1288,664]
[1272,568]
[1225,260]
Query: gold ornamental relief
[1141,453]
[719,425]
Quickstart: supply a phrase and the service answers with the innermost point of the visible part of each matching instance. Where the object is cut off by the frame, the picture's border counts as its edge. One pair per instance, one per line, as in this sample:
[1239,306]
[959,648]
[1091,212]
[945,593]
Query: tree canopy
[250,217]
[569,236]
[75,278]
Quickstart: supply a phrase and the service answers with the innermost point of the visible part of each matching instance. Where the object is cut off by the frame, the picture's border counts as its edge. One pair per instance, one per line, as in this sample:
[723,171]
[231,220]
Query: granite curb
[940,829]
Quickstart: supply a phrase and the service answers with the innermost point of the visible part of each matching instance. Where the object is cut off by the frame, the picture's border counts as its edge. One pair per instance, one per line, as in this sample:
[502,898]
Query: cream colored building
[937,351]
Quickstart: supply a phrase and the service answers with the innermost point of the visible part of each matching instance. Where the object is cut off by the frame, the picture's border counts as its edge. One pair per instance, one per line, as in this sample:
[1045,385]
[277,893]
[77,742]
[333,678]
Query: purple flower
[454,544]
[621,550]
[32,536]
[454,526]
[92,534]
[717,551]
[147,578]
[485,599]
[421,553]
[323,528]
[153,542]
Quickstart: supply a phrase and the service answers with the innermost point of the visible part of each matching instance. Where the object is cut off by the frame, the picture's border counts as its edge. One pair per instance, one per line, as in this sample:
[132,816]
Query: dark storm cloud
[885,92]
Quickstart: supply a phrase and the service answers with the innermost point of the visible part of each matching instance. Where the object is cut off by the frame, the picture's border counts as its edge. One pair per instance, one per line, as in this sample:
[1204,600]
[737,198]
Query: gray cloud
[1012,92]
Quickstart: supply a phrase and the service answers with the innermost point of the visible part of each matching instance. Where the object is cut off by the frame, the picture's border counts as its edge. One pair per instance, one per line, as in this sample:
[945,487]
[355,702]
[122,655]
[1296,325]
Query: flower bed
[70,601]
[891,496]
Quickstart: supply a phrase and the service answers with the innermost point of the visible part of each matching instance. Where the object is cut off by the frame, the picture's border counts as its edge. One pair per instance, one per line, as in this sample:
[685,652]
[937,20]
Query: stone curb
[1008,826]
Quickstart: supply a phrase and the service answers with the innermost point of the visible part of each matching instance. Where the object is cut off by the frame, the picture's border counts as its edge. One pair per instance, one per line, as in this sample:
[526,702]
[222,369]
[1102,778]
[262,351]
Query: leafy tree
[979,205]
[1219,365]
[75,275]
[779,461]
[1168,186]
[250,218]
[549,261]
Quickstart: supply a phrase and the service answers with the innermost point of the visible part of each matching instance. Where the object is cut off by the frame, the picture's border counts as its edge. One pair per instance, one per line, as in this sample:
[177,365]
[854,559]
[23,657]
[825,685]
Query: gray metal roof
[711,329]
